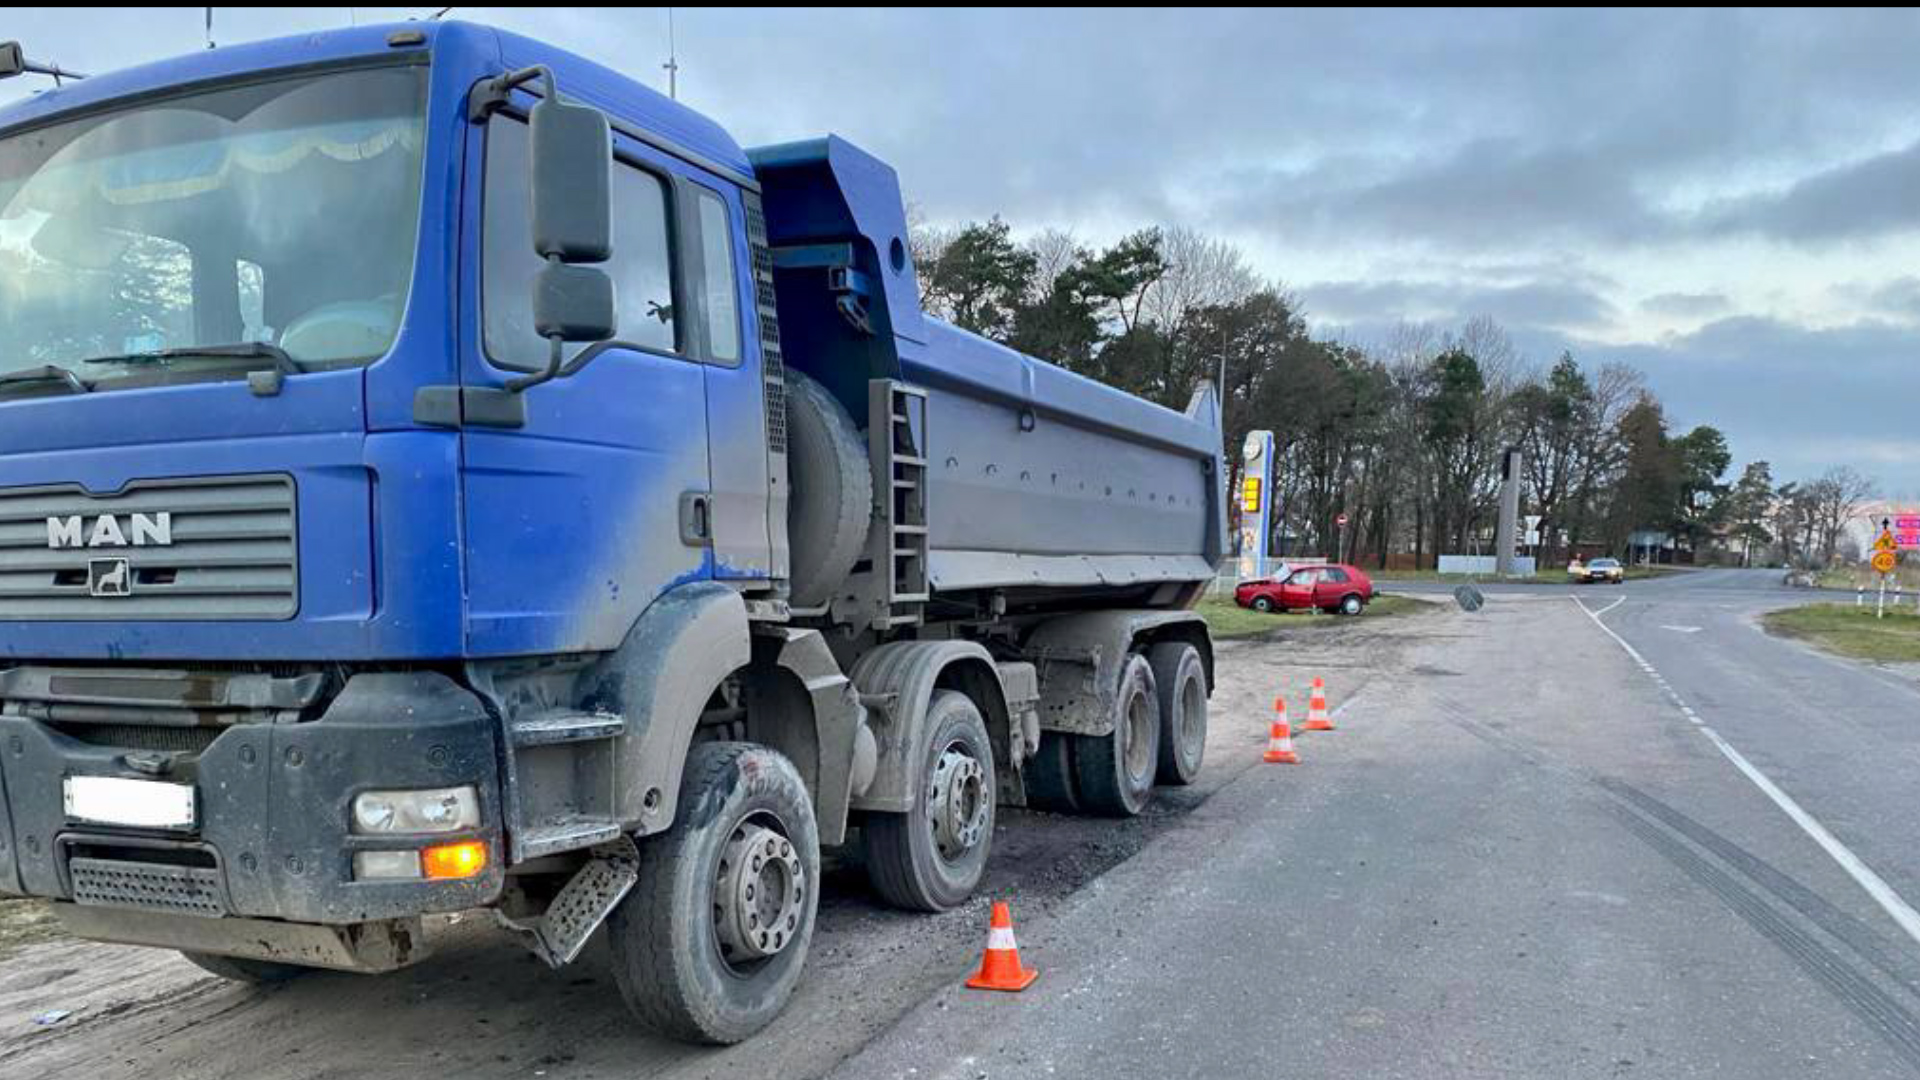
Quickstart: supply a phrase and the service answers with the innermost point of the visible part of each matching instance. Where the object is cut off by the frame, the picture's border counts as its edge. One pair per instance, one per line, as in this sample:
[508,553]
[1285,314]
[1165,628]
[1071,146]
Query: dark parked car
[1335,588]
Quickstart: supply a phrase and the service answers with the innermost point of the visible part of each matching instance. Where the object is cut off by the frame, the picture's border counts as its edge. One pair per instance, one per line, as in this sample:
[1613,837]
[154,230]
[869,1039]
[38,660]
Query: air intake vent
[773,363]
[212,549]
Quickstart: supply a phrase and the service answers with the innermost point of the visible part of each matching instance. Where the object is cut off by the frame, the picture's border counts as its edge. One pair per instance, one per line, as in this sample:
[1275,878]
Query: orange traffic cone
[1317,718]
[1280,738]
[1000,968]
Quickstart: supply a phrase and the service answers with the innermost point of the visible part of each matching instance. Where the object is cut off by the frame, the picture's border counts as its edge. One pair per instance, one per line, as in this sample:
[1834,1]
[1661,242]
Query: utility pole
[672,65]
[1503,545]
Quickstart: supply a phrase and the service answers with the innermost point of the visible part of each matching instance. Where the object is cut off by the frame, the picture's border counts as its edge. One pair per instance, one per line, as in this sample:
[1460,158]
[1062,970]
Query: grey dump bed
[1034,476]
[1037,476]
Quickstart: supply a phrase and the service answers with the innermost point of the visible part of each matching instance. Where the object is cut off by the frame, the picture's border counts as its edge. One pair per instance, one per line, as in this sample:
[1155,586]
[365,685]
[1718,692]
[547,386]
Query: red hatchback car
[1335,588]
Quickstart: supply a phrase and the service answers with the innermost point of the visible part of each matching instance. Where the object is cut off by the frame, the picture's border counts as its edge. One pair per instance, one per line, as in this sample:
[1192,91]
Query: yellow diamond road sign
[1885,542]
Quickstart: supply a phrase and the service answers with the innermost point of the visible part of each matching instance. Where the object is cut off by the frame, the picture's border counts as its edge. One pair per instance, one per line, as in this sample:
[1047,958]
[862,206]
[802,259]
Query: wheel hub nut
[759,894]
[957,802]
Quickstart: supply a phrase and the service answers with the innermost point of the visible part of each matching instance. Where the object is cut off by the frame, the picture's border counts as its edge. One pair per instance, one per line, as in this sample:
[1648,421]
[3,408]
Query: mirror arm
[491,94]
[548,374]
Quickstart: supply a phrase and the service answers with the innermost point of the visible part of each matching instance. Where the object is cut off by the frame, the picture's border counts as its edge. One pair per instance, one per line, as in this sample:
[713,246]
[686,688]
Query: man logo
[109,577]
[141,530]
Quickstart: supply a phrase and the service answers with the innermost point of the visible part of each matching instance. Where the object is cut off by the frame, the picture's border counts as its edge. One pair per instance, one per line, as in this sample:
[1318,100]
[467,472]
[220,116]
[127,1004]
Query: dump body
[1038,477]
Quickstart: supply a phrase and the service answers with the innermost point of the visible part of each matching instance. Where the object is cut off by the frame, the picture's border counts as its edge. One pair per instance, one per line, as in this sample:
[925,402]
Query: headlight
[439,810]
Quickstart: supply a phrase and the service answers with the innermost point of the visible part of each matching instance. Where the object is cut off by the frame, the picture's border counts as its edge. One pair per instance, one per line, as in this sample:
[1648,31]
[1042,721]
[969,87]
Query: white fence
[1484,565]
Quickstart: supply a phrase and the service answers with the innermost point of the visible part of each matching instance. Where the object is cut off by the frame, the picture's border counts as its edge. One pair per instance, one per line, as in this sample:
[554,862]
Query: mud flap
[582,905]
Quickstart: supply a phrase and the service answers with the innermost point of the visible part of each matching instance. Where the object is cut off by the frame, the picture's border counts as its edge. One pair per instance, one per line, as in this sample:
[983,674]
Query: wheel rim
[759,894]
[1137,752]
[1352,605]
[957,802]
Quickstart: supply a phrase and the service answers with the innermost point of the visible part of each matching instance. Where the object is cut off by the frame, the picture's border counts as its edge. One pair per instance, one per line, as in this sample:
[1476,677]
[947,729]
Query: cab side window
[1336,577]
[641,266]
[719,287]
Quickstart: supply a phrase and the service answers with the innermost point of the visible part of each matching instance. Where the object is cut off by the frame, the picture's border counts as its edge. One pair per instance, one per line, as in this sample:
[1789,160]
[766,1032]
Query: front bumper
[273,839]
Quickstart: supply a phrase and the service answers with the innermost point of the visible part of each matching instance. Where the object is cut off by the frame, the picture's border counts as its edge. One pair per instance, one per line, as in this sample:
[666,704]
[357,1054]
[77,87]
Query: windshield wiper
[239,350]
[46,374]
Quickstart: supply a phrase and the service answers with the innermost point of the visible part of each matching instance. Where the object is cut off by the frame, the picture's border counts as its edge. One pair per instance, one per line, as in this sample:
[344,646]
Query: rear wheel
[708,947]
[242,970]
[932,857]
[1113,773]
[1049,775]
[1351,604]
[1180,677]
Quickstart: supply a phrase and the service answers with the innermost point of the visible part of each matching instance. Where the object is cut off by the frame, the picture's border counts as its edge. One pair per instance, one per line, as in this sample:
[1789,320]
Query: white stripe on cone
[1000,939]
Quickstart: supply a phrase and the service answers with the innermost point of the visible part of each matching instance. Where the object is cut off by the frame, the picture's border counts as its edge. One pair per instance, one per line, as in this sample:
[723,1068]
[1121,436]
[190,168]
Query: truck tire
[1180,676]
[1049,775]
[709,945]
[242,970]
[931,859]
[1113,774]
[830,501]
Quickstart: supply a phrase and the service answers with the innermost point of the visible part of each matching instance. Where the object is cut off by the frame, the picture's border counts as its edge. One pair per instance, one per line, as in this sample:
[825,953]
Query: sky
[1728,200]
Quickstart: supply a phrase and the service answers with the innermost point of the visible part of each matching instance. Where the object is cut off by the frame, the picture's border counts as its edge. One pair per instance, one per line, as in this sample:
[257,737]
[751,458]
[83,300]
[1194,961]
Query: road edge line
[1875,886]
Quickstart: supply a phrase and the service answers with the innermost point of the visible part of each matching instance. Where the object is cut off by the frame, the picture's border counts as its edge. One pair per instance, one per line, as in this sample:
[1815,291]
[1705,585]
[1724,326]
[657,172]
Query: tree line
[1404,435]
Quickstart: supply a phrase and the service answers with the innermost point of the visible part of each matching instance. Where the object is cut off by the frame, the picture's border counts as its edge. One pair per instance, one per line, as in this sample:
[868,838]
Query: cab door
[576,520]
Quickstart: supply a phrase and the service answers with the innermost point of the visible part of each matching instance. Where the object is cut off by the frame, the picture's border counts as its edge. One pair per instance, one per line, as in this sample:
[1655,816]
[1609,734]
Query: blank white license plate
[146,804]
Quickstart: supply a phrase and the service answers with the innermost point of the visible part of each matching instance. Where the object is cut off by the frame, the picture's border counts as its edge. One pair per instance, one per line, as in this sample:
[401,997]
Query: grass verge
[1851,631]
[1228,620]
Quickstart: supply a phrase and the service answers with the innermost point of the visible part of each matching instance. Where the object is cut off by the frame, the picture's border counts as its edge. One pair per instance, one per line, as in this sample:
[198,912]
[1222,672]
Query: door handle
[696,518]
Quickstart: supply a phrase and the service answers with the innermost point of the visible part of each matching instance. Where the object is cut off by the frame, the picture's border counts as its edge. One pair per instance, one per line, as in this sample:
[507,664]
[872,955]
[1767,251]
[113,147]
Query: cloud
[1535,303]
[1864,199]
[1685,305]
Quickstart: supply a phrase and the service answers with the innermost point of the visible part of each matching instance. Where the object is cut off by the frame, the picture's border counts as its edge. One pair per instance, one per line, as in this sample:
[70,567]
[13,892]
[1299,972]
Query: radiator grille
[178,890]
[194,549]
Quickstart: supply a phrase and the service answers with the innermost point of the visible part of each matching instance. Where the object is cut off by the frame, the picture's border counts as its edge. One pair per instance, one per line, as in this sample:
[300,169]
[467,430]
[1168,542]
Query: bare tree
[1202,272]
[1837,498]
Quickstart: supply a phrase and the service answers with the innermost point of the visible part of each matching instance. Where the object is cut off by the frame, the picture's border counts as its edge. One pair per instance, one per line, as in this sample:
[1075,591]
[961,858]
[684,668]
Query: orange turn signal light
[451,862]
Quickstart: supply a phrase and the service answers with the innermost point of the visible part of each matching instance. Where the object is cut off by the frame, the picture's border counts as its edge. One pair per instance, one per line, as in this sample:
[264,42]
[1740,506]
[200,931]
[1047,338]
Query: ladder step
[910,530]
[553,837]
[548,729]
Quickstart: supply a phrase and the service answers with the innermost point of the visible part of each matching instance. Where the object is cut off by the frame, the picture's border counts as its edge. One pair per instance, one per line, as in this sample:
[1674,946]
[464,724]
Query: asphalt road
[1522,855]
[1533,849]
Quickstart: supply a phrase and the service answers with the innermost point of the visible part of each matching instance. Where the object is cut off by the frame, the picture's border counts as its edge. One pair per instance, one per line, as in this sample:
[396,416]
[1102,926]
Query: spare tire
[830,502]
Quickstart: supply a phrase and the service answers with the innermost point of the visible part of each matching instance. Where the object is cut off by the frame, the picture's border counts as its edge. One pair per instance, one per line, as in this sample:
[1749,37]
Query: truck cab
[429,461]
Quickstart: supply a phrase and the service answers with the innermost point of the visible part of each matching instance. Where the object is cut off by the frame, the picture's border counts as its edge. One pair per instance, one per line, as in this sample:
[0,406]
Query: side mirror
[573,303]
[572,180]
[13,61]
[571,190]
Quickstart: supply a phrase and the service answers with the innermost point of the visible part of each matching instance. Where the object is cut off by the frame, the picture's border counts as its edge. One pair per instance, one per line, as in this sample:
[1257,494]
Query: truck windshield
[279,213]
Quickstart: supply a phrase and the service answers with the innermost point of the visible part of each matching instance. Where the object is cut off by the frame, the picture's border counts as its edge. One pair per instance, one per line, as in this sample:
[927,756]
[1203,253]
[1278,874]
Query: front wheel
[931,858]
[1262,604]
[709,945]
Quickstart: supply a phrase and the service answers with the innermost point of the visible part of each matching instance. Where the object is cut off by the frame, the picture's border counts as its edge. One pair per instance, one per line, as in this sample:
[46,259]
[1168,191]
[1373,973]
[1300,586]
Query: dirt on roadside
[143,1013]
[23,922]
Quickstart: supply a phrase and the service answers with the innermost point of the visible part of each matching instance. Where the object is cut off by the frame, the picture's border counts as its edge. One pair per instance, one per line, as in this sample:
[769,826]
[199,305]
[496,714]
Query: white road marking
[1863,875]
[1604,610]
[1681,629]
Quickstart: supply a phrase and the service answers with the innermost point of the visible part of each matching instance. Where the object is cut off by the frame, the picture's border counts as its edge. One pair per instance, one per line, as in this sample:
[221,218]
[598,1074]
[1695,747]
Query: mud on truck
[440,473]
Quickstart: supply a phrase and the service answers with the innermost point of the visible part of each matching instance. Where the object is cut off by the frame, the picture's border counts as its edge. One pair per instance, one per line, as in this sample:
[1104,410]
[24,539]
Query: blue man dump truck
[440,473]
